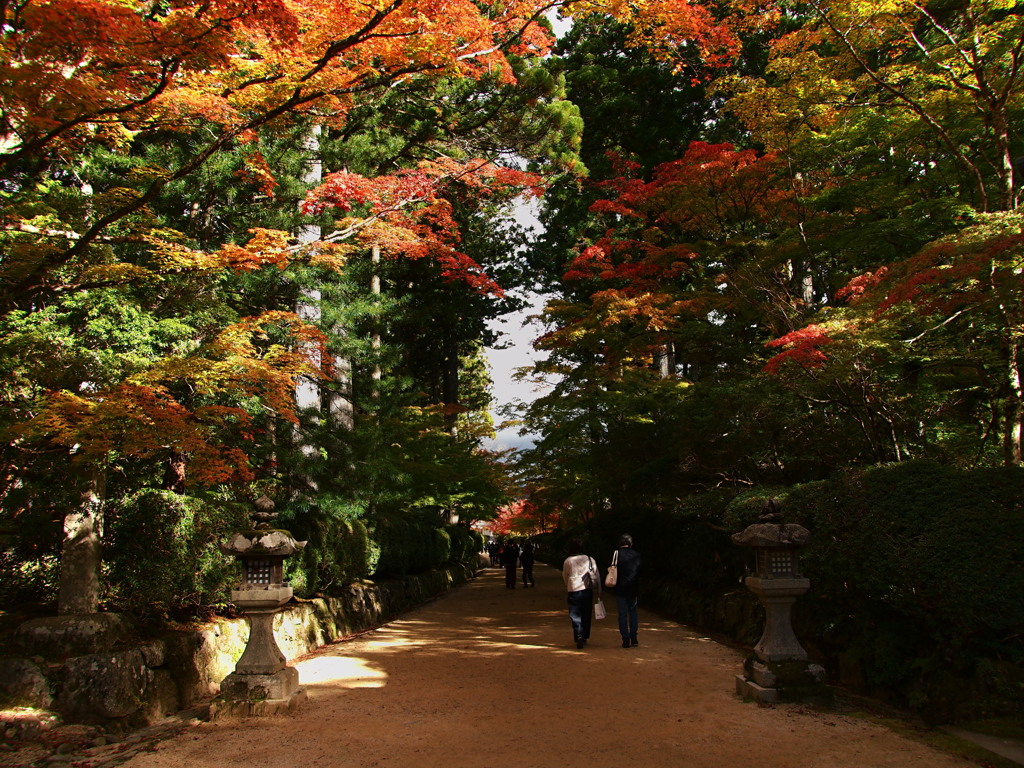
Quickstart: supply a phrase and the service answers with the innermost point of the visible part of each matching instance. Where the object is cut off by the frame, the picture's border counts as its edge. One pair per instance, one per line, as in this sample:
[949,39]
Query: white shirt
[575,568]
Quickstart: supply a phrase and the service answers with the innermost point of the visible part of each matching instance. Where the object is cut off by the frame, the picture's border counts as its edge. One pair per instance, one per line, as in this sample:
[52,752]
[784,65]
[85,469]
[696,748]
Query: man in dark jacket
[526,560]
[627,589]
[510,558]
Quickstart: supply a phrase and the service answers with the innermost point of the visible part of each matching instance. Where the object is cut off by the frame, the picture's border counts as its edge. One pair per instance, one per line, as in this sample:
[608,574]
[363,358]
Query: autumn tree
[111,117]
[929,90]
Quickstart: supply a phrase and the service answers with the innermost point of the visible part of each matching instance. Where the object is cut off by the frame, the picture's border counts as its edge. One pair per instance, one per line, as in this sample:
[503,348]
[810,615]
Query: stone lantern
[262,682]
[779,662]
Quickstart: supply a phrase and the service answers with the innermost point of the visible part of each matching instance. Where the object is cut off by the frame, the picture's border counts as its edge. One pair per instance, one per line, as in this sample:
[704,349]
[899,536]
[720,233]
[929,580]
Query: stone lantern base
[262,683]
[774,681]
[256,694]
[228,707]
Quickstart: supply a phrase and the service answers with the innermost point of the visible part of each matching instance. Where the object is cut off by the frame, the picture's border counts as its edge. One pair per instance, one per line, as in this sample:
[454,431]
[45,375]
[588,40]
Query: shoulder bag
[588,578]
[613,571]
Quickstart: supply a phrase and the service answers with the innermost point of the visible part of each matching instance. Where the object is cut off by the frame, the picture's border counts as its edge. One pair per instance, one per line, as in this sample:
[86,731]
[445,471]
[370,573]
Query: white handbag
[613,571]
[599,611]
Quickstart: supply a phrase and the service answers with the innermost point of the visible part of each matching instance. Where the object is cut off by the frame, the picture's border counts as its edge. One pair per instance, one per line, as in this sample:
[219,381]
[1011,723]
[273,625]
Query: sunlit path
[488,676]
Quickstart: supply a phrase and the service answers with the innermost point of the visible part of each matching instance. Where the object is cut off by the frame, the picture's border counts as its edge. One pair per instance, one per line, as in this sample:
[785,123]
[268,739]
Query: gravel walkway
[489,676]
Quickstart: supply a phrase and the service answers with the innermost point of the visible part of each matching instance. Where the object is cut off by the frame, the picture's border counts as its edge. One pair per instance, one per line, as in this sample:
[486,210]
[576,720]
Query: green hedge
[918,584]
[338,548]
[346,544]
[415,542]
[161,551]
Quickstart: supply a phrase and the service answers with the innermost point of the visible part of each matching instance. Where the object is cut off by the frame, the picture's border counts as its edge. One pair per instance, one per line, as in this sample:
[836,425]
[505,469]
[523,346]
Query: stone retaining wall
[139,682]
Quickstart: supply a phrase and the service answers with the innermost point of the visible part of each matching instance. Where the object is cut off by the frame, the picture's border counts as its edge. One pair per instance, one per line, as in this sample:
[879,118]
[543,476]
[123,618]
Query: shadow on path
[489,676]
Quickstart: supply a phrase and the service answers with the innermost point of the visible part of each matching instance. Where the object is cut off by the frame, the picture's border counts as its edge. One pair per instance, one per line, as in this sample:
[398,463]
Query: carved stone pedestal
[262,683]
[779,669]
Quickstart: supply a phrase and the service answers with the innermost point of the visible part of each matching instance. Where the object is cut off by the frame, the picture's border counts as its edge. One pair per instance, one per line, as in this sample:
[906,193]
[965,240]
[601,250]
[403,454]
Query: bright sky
[504,363]
[517,333]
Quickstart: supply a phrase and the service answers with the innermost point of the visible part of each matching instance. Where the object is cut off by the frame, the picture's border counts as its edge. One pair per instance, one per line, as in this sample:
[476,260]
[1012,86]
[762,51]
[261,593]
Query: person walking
[510,558]
[627,589]
[492,552]
[526,560]
[581,577]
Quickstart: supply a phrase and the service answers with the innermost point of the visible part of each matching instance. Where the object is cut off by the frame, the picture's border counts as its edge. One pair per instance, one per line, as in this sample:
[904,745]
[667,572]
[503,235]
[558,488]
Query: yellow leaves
[266,248]
[116,273]
[171,256]
[331,256]
[648,311]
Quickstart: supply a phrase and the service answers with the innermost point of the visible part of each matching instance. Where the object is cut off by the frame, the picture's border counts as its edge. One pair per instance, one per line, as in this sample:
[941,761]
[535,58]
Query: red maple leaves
[408,213]
[802,347]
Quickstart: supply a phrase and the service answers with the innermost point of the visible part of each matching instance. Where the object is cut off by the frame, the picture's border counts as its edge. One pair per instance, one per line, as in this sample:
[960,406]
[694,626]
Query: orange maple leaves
[670,29]
[201,405]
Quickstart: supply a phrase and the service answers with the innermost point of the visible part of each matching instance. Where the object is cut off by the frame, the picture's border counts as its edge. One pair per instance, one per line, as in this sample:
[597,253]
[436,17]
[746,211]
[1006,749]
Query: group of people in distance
[510,555]
[582,582]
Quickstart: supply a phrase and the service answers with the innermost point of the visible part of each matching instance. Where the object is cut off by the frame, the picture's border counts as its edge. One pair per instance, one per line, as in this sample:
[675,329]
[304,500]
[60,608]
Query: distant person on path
[627,589]
[526,560]
[581,577]
[509,558]
[492,551]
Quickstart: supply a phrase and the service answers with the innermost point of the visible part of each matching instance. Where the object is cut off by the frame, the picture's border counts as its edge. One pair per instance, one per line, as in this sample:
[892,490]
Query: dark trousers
[528,574]
[581,609]
[628,618]
[510,576]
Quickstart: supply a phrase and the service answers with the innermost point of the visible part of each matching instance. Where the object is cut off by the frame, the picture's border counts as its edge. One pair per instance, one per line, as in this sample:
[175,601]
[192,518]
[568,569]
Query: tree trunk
[340,408]
[307,391]
[375,376]
[665,360]
[450,384]
[81,552]
[174,474]
[1013,415]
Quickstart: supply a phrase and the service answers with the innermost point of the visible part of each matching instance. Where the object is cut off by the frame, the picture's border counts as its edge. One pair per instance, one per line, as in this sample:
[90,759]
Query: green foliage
[466,543]
[162,551]
[917,585]
[345,543]
[338,549]
[408,543]
[27,580]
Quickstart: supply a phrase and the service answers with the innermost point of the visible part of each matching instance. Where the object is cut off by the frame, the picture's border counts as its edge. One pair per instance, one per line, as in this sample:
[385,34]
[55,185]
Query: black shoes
[625,643]
[632,640]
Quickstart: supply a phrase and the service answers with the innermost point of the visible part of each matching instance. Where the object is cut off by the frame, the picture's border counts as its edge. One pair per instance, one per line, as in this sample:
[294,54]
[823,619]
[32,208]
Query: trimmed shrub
[917,584]
[343,546]
[465,543]
[338,549]
[407,541]
[161,551]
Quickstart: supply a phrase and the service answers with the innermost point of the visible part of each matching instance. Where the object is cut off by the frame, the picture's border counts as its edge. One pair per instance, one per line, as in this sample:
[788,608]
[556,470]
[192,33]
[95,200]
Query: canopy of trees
[253,248]
[799,254]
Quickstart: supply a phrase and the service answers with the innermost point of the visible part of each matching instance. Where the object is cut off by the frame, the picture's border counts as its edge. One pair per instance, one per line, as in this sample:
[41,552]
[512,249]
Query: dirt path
[488,676]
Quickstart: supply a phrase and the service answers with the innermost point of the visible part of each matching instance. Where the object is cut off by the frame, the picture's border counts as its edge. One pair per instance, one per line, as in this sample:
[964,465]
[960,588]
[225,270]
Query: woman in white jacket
[581,577]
